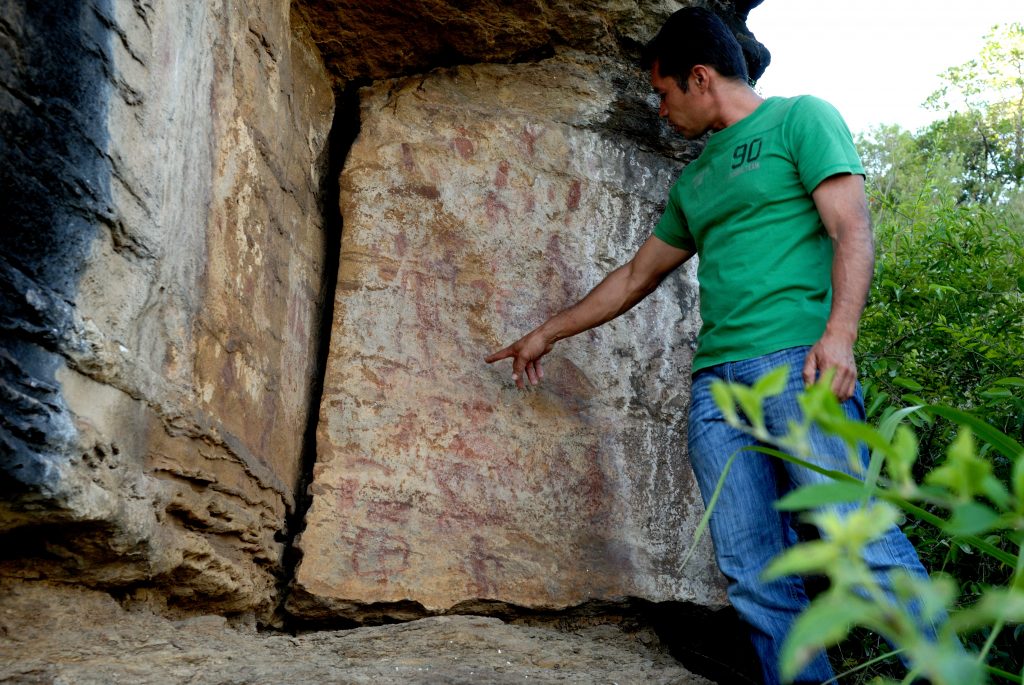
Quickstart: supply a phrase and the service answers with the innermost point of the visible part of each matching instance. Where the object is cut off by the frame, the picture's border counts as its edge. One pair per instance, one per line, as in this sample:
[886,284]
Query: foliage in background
[902,166]
[945,320]
[975,154]
[984,98]
[945,326]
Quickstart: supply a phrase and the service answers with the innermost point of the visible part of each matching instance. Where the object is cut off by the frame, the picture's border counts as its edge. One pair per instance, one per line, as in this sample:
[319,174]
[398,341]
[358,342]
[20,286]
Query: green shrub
[945,319]
[944,325]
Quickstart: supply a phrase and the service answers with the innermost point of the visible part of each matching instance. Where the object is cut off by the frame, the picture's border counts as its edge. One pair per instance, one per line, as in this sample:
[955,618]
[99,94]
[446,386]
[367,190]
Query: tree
[984,99]
[905,167]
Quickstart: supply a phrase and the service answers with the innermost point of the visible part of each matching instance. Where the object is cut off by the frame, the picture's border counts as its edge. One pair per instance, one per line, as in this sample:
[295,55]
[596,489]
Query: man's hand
[832,352]
[526,353]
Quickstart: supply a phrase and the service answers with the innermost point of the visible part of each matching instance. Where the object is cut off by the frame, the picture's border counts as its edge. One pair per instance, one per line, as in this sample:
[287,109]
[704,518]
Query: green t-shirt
[745,207]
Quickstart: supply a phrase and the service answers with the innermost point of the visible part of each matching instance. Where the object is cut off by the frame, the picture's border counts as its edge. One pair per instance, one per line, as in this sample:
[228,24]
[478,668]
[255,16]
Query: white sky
[875,60]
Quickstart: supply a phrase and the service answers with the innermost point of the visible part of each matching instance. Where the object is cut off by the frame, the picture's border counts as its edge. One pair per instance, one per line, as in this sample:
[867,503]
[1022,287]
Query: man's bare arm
[843,207]
[615,295]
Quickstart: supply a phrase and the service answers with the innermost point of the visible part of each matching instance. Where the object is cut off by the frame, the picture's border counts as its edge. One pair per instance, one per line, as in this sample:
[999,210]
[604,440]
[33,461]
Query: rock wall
[161,283]
[164,272]
[477,201]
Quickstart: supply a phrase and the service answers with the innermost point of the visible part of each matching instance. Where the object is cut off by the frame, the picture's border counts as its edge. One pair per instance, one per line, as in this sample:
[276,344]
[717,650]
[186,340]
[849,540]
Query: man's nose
[662,111]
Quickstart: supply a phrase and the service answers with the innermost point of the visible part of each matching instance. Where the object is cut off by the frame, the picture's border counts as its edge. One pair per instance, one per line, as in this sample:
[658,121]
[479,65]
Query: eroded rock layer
[477,201]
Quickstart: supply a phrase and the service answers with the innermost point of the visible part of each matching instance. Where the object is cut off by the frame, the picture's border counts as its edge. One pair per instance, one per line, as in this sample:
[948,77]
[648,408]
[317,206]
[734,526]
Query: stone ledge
[78,637]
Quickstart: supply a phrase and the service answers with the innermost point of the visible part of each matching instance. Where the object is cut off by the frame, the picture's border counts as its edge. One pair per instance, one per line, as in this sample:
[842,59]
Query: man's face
[680,108]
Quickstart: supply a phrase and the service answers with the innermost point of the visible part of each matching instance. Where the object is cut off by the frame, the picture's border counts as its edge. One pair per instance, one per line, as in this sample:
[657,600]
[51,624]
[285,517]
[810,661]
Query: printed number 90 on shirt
[746,153]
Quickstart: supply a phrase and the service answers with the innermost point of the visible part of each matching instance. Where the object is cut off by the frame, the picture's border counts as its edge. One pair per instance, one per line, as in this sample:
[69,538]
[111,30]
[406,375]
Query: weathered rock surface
[477,201]
[161,269]
[380,39]
[78,637]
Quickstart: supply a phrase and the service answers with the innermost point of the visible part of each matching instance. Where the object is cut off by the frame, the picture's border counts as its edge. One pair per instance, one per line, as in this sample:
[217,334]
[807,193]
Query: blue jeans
[746,529]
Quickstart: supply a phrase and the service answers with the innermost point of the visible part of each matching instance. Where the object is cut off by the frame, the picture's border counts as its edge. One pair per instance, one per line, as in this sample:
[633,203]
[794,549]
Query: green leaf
[871,477]
[900,460]
[876,402]
[750,403]
[834,475]
[997,604]
[1005,675]
[963,449]
[963,472]
[773,382]
[940,291]
[911,398]
[888,426]
[996,394]
[856,528]
[934,595]
[1006,445]
[824,623]
[853,432]
[1018,483]
[993,488]
[925,515]
[819,495]
[971,518]
[720,392]
[1012,382]
[908,383]
[808,557]
[699,532]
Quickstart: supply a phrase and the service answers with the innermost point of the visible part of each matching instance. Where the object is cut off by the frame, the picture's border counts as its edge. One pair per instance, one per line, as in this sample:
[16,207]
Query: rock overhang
[378,39]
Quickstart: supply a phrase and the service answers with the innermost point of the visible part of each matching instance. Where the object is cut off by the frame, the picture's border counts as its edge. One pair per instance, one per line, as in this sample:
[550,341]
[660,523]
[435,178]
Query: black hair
[692,36]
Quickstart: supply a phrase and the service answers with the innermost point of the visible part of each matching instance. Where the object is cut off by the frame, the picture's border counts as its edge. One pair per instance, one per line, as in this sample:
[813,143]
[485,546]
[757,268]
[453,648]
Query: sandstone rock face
[163,278]
[161,285]
[477,201]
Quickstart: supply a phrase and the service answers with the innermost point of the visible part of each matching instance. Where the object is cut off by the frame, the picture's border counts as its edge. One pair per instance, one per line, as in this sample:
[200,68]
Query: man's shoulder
[809,116]
[803,104]
[810,107]
[778,110]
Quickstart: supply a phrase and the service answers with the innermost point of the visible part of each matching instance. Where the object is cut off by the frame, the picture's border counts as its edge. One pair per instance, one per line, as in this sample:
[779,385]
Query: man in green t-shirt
[775,208]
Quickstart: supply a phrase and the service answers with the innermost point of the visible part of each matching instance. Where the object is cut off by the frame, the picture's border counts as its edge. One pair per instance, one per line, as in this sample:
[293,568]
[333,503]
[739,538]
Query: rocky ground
[79,637]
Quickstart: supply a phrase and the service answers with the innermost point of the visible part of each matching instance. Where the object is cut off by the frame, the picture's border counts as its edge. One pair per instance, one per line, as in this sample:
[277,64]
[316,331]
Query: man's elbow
[855,231]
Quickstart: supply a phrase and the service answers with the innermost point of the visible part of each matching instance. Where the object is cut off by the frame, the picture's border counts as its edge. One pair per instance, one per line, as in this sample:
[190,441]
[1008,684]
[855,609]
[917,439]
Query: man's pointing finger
[500,354]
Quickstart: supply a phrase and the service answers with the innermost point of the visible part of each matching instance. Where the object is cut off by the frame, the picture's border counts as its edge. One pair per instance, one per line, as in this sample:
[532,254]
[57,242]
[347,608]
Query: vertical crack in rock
[344,130]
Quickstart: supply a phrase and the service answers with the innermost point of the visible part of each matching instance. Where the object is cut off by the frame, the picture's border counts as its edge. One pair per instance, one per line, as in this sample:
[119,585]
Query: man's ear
[701,77]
